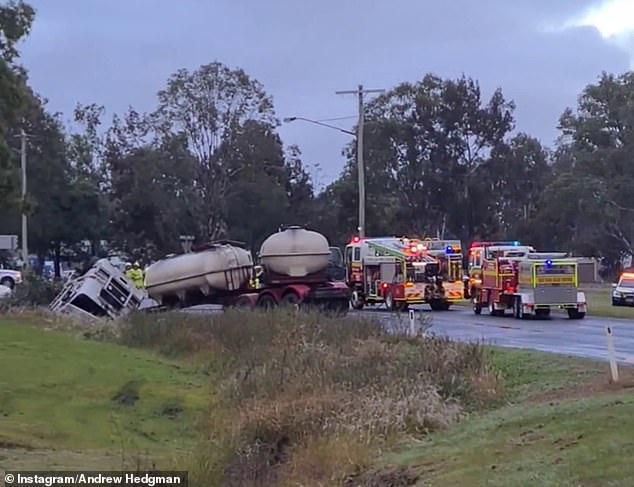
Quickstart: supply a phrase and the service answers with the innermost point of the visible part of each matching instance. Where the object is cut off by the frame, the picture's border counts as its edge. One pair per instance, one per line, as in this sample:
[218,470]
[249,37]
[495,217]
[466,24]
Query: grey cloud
[119,53]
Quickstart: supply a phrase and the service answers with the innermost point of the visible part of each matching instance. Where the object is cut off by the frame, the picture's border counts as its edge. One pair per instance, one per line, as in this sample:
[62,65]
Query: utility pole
[360,163]
[25,247]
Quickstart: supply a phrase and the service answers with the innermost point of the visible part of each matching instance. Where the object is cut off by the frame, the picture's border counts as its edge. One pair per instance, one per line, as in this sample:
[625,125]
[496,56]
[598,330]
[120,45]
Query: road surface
[558,334]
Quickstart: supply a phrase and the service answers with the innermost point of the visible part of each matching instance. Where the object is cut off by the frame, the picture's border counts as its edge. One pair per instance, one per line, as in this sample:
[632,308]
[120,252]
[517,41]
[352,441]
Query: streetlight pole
[360,162]
[25,248]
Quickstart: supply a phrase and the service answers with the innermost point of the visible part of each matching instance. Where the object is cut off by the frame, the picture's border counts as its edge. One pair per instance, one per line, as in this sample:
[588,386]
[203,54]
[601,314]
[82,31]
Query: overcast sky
[120,52]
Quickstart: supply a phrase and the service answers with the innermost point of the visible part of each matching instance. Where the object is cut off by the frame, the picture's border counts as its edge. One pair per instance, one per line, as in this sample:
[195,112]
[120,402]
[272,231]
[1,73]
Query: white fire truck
[395,271]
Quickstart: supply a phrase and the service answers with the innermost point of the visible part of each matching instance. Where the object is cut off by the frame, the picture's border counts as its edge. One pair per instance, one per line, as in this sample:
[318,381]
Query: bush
[292,388]
[34,291]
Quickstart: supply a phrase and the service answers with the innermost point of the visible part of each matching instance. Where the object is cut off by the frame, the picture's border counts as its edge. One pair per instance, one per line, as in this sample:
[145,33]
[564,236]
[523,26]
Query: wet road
[558,334]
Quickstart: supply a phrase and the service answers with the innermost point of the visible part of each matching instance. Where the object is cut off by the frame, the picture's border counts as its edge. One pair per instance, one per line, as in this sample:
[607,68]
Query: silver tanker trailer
[295,267]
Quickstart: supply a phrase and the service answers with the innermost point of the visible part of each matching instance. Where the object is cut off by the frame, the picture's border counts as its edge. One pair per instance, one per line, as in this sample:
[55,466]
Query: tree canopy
[442,160]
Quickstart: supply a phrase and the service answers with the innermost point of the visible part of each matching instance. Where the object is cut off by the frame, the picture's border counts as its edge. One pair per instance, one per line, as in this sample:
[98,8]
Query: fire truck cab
[395,271]
[449,254]
[530,285]
[481,251]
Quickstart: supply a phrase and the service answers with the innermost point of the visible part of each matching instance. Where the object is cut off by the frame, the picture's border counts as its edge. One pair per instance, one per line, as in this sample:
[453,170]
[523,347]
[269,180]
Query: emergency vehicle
[395,271]
[449,254]
[530,285]
[479,251]
[623,290]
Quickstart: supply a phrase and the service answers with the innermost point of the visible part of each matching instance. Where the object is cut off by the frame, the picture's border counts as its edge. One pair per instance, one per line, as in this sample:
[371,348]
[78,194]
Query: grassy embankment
[305,400]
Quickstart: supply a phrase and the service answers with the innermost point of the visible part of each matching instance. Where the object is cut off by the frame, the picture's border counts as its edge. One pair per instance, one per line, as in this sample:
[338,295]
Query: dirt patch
[129,393]
[598,386]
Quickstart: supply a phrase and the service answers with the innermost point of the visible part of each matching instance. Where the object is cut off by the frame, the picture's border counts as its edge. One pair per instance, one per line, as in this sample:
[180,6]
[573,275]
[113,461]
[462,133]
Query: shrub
[292,387]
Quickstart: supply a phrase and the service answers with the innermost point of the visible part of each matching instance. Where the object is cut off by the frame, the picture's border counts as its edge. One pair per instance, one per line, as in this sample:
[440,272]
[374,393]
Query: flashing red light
[356,239]
[385,285]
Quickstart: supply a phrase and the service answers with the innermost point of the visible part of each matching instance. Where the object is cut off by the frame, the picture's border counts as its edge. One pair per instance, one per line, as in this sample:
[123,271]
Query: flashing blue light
[516,243]
[549,263]
[448,249]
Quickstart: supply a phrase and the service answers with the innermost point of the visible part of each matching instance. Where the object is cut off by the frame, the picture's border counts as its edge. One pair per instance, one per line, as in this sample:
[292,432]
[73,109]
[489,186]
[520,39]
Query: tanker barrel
[295,252]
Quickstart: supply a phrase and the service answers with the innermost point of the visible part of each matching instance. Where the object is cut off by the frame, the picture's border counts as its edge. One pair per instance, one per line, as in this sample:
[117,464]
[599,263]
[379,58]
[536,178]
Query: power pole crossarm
[360,163]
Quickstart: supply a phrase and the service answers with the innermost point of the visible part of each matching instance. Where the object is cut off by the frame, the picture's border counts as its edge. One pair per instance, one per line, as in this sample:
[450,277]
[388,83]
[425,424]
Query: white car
[5,292]
[10,278]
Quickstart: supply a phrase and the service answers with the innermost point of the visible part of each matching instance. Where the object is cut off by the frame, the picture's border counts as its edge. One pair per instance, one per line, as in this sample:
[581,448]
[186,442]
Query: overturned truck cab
[102,292]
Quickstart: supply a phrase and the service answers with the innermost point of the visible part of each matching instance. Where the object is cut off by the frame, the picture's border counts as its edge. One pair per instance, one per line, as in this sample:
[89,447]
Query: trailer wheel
[242,303]
[290,299]
[542,313]
[266,302]
[575,314]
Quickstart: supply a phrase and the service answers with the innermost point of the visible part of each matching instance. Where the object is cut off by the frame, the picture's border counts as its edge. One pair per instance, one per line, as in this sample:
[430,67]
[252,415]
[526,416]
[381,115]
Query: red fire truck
[480,251]
[449,254]
[395,271]
[529,285]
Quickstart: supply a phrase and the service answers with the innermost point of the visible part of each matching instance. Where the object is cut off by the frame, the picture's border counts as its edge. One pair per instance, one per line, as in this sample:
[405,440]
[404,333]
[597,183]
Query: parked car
[10,278]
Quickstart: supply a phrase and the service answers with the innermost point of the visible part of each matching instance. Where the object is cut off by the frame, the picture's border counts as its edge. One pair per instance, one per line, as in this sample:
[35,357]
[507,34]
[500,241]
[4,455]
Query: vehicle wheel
[8,282]
[477,307]
[389,302]
[615,303]
[517,308]
[242,304]
[266,302]
[542,313]
[575,314]
[290,299]
[356,300]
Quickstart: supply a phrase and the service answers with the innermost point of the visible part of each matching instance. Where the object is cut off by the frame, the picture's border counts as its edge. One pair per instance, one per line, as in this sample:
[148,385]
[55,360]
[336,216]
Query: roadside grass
[306,398]
[71,402]
[599,299]
[285,399]
[565,426]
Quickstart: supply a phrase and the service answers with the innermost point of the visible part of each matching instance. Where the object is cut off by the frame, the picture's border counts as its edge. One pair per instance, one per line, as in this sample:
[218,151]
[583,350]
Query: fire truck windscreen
[421,272]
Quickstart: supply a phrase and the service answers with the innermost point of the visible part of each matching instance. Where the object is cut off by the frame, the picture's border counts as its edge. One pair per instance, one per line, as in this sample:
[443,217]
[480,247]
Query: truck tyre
[242,303]
[356,300]
[290,299]
[542,313]
[575,314]
[8,282]
[266,302]
[477,307]
[390,303]
[517,308]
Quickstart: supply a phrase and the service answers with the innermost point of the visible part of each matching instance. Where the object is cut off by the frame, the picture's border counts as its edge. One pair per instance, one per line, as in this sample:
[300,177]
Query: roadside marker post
[614,371]
[412,323]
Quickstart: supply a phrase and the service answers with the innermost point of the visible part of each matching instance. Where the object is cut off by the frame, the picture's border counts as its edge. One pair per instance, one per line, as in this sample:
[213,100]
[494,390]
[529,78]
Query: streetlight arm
[292,119]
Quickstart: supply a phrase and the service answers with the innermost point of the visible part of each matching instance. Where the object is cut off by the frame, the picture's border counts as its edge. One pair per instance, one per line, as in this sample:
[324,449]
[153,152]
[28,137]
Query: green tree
[207,107]
[592,192]
[16,19]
